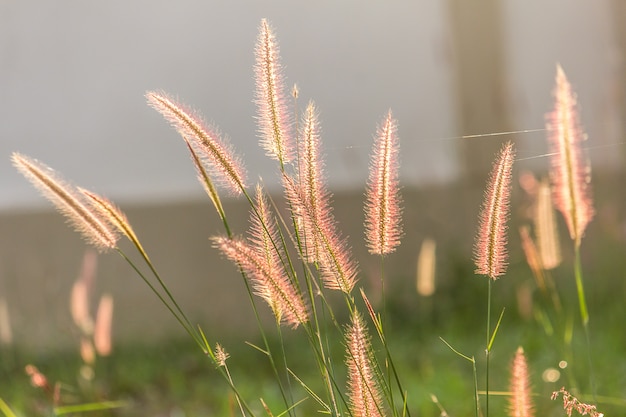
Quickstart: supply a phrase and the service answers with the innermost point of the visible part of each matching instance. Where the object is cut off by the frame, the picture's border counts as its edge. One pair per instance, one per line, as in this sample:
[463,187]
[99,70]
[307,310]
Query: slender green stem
[476,399]
[176,313]
[584,314]
[473,361]
[488,349]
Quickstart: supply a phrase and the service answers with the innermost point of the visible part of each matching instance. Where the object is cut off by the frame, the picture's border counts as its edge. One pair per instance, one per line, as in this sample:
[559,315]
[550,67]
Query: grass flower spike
[204,140]
[490,254]
[520,404]
[273,117]
[337,267]
[311,182]
[270,281]
[363,390]
[571,172]
[382,209]
[69,201]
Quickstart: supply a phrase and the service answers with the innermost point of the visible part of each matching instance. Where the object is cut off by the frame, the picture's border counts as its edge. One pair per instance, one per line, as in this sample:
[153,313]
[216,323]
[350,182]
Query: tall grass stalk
[571,177]
[490,252]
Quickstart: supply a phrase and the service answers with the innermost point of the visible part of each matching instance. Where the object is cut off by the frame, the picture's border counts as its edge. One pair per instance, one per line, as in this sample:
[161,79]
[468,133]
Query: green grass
[174,378]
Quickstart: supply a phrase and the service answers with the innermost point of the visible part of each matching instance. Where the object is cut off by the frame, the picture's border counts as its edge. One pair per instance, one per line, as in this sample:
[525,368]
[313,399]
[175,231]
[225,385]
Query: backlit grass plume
[570,172]
[272,113]
[363,391]
[490,253]
[338,269]
[311,182]
[383,227]
[269,280]
[520,403]
[204,140]
[69,201]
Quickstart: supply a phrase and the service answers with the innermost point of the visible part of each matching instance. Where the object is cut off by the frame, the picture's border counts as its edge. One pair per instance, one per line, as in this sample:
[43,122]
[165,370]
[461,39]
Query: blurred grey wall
[73,75]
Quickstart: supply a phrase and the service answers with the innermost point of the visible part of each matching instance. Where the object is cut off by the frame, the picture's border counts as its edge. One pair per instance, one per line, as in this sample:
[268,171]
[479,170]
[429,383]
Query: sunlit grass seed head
[272,112]
[338,269]
[364,394]
[215,150]
[269,280]
[548,243]
[490,252]
[383,228]
[311,182]
[69,201]
[263,233]
[520,402]
[102,335]
[114,215]
[570,170]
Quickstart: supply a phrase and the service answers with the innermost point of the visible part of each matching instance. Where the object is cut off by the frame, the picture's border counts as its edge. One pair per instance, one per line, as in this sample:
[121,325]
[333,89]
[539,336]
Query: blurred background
[459,76]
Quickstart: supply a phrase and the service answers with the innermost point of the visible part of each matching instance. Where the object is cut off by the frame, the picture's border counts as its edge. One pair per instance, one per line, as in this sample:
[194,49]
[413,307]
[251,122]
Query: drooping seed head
[269,280]
[94,228]
[206,141]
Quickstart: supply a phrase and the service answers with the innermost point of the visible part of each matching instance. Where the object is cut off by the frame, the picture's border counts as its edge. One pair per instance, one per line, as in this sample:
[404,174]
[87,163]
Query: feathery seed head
[94,227]
[570,170]
[273,116]
[490,253]
[520,404]
[221,355]
[269,280]
[111,213]
[363,388]
[382,208]
[571,403]
[214,149]
[545,227]
[102,330]
[312,183]
[264,231]
[337,268]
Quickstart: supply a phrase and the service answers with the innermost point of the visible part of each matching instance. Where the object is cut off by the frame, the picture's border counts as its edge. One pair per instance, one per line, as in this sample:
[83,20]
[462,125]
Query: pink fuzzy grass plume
[273,117]
[383,228]
[94,228]
[520,404]
[205,140]
[570,172]
[312,184]
[338,269]
[363,390]
[269,280]
[490,253]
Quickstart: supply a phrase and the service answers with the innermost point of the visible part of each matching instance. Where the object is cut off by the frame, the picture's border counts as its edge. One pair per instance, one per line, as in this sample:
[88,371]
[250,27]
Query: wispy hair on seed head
[69,201]
[490,253]
[520,403]
[337,267]
[205,140]
[363,390]
[382,208]
[312,183]
[269,280]
[570,172]
[272,114]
